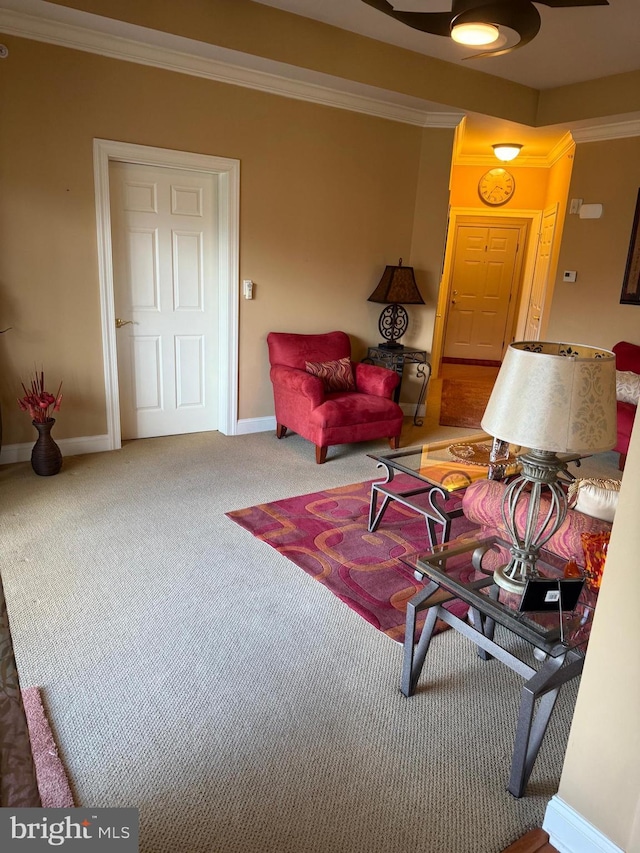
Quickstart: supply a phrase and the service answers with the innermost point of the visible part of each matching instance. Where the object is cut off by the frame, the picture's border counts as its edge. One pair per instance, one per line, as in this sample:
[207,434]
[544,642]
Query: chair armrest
[376,380]
[299,382]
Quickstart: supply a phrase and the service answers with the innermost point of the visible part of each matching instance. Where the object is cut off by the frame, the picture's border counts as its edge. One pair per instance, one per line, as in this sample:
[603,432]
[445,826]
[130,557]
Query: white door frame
[534,218]
[228,173]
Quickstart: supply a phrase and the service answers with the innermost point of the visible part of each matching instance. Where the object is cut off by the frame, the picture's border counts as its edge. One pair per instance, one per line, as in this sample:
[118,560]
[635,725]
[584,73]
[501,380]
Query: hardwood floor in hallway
[431,430]
[535,841]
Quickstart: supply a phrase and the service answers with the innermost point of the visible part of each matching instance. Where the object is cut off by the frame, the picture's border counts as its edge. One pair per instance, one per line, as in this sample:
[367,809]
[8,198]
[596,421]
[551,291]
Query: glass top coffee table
[439,473]
[558,640]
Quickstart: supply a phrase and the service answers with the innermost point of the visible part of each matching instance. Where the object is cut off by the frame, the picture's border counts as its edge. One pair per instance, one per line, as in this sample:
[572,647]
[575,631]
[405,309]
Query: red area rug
[325,534]
[53,784]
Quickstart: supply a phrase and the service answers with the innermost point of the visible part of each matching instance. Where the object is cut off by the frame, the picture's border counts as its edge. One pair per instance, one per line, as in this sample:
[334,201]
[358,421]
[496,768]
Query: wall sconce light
[506,151]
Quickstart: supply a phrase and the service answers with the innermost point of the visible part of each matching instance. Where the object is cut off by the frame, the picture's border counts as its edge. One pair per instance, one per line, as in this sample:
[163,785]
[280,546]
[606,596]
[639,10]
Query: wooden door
[164,236]
[541,274]
[484,283]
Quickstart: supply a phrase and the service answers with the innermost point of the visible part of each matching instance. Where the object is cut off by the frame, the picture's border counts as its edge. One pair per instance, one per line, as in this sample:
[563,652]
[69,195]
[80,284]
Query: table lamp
[549,398]
[397,285]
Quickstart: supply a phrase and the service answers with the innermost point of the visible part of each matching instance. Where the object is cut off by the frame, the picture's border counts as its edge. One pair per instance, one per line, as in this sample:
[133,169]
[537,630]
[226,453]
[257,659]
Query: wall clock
[496,187]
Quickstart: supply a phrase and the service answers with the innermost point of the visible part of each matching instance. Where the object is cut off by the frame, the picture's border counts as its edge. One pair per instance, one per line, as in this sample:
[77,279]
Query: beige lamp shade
[555,397]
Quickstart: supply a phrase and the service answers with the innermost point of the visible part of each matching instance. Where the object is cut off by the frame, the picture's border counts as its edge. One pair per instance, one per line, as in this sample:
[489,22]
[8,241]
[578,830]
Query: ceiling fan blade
[561,4]
[436,23]
[519,15]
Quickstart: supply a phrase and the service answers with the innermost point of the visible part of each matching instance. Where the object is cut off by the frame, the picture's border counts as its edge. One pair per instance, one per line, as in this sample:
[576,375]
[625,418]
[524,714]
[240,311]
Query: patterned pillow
[627,386]
[595,497]
[335,375]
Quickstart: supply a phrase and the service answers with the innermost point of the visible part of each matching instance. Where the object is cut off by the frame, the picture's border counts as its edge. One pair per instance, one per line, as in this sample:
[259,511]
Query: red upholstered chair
[330,417]
[627,359]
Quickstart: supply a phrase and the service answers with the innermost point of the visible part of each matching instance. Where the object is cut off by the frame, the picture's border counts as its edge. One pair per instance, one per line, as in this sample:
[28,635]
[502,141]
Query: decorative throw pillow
[627,386]
[595,497]
[335,375]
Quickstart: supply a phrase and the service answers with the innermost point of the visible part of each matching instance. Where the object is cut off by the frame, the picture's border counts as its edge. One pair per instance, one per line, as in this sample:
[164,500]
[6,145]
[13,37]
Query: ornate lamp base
[540,469]
[392,325]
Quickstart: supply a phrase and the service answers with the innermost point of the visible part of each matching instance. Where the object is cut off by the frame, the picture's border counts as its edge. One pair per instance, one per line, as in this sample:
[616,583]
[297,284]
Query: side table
[395,359]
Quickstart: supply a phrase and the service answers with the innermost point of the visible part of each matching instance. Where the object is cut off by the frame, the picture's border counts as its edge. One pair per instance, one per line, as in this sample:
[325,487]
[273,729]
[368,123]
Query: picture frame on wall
[631,284]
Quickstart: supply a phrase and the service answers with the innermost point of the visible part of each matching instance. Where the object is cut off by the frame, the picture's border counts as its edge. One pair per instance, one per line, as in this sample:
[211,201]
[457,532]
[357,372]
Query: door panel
[164,235]
[541,274]
[483,277]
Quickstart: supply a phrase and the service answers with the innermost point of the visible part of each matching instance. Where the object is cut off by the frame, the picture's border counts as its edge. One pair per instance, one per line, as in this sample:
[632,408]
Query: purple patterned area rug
[325,534]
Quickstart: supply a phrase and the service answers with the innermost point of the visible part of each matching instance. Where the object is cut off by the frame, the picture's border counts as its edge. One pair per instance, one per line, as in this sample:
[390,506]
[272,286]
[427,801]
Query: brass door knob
[120,323]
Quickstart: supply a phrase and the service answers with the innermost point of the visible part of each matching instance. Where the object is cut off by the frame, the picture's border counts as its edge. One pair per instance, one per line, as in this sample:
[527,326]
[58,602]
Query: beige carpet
[193,672]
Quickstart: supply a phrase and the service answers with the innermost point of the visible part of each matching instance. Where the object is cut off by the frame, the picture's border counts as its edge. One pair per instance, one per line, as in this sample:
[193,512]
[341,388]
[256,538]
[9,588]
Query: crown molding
[603,132]
[130,43]
[564,146]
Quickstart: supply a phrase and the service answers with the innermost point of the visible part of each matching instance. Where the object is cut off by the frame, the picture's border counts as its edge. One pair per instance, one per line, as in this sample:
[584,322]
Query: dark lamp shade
[398,284]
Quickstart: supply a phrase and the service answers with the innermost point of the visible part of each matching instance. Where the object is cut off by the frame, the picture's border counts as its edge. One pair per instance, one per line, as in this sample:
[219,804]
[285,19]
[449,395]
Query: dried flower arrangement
[39,402]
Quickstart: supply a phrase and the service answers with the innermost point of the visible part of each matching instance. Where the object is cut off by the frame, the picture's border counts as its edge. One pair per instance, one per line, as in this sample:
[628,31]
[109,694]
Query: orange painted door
[483,280]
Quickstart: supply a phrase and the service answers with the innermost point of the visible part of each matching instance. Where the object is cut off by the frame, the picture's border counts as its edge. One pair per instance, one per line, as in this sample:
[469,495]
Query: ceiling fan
[478,22]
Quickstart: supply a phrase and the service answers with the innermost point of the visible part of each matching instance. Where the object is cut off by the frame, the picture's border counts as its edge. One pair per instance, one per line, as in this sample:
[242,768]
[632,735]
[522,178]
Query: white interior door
[165,261]
[483,279]
[541,274]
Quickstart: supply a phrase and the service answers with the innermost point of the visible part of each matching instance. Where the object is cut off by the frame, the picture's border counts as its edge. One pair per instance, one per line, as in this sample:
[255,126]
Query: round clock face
[496,186]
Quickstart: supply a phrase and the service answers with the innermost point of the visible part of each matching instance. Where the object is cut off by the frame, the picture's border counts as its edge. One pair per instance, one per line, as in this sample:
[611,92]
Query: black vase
[46,458]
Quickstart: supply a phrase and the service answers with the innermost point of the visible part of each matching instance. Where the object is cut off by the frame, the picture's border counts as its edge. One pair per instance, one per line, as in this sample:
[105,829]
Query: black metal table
[438,476]
[395,359]
[560,659]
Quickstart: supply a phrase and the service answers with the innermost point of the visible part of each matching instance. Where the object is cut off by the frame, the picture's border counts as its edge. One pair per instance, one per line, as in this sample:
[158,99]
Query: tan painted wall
[608,96]
[601,772]
[589,311]
[328,197]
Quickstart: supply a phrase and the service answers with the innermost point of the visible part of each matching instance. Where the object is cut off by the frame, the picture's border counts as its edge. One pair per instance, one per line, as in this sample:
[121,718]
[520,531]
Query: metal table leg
[543,686]
[423,371]
[415,654]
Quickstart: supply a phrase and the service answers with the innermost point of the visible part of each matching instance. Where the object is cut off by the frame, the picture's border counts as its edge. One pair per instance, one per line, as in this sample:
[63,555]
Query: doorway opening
[515,233]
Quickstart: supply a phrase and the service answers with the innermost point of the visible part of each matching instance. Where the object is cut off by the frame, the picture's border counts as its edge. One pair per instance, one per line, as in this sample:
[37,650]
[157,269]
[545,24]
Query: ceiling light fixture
[521,16]
[506,151]
[475,34]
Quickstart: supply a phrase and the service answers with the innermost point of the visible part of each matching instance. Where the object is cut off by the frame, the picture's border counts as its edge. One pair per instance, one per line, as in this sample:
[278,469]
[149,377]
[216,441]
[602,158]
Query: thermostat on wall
[590,211]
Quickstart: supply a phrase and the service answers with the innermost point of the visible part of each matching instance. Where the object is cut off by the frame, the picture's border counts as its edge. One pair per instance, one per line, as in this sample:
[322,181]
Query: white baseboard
[245,426]
[569,832]
[100,443]
[68,447]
